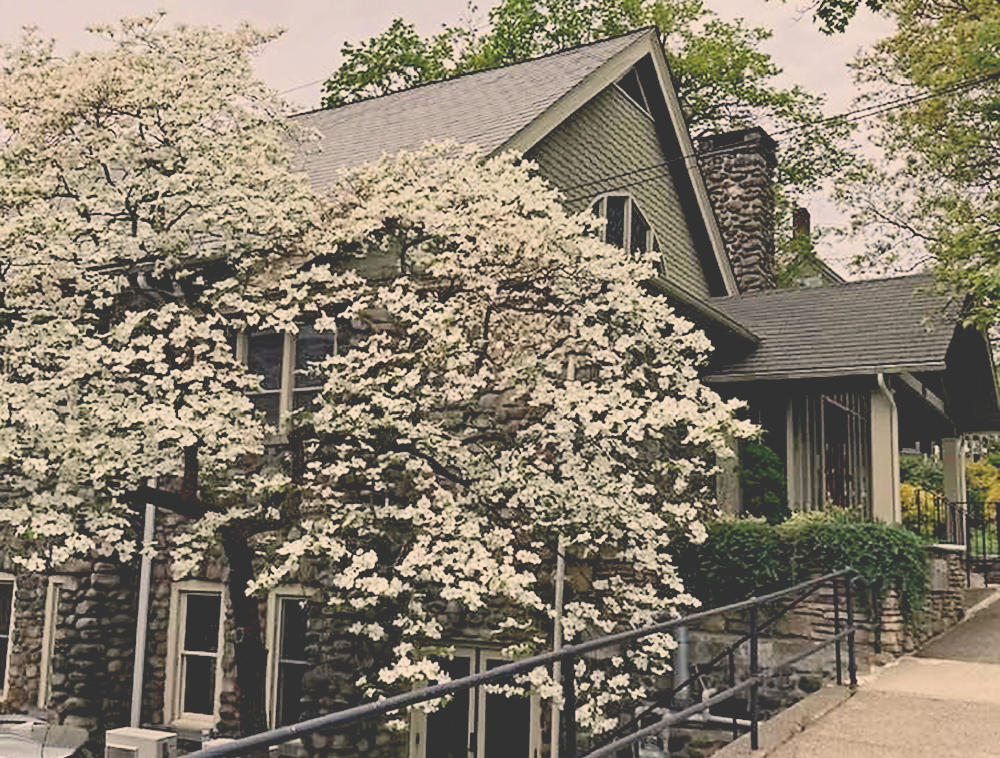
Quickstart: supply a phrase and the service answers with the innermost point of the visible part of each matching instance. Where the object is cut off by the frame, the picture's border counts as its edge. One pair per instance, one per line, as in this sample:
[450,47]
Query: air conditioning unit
[129,742]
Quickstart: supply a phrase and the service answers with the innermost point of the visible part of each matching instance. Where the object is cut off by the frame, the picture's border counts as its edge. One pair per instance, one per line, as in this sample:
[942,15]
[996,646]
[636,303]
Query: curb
[778,730]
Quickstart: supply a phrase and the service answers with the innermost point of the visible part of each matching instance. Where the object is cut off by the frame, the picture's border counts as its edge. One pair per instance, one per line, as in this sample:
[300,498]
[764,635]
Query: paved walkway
[943,704]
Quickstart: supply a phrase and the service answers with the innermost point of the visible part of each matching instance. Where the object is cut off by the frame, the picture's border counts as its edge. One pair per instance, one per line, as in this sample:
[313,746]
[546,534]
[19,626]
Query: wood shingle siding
[610,136]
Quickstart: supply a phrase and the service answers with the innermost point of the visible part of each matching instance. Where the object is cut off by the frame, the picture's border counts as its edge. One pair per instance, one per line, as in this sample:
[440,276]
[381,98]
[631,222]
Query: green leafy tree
[935,197]
[723,78]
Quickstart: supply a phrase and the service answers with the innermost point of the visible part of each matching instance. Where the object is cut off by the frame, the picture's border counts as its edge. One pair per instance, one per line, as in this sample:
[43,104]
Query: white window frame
[286,384]
[174,689]
[56,584]
[274,599]
[480,656]
[602,202]
[7,578]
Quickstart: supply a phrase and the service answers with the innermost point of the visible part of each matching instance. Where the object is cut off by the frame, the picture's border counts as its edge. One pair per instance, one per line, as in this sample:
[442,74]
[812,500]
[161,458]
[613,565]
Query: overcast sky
[315,30]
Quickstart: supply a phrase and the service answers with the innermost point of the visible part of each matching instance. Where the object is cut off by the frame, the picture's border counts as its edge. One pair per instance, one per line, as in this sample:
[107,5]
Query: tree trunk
[251,658]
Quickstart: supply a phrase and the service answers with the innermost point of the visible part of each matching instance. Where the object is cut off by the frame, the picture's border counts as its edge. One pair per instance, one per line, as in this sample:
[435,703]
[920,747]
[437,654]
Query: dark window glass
[508,721]
[615,230]
[290,693]
[6,603]
[264,353]
[639,231]
[630,83]
[201,628]
[310,347]
[269,405]
[199,684]
[294,624]
[448,732]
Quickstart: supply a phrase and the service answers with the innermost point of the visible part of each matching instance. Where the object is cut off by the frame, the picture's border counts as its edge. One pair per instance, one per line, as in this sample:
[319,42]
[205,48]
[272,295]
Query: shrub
[762,477]
[742,557]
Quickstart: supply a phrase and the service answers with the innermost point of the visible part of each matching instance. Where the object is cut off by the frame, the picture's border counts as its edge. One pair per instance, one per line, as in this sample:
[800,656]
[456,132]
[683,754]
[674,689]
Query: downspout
[893,438]
[142,617]
[557,639]
[557,636]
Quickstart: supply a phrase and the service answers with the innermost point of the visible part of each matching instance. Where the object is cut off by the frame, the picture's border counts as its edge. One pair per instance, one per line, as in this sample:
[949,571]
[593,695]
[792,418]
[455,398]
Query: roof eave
[705,309]
[826,373]
[593,84]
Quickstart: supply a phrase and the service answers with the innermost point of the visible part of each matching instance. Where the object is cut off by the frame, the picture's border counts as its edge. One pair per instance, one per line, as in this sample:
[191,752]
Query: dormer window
[627,227]
[631,86]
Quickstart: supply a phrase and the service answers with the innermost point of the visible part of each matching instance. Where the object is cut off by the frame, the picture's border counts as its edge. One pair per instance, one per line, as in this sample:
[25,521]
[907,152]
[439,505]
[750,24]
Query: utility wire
[857,114]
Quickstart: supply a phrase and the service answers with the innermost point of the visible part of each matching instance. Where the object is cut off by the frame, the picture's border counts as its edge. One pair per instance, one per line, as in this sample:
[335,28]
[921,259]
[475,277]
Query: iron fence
[973,524]
[633,732]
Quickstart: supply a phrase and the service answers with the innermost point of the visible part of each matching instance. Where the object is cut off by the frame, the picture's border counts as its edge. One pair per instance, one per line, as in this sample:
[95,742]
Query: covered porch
[843,377]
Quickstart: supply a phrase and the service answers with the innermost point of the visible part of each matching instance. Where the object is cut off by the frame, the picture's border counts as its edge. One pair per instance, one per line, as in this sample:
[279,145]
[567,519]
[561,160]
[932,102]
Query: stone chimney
[739,169]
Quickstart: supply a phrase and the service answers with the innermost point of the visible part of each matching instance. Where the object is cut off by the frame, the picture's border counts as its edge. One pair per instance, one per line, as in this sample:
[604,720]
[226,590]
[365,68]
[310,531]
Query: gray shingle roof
[484,109]
[861,327]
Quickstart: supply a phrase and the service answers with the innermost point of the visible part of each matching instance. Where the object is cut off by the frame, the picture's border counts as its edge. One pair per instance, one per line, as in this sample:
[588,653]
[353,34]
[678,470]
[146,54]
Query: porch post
[728,490]
[885,457]
[954,469]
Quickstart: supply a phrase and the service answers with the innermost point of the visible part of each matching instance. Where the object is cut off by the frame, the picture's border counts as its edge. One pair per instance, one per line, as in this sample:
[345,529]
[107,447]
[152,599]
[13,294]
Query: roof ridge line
[464,74]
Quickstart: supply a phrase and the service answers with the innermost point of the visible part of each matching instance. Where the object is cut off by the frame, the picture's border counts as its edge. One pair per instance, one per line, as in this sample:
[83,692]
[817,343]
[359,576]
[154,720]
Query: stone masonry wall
[814,620]
[26,642]
[738,168]
[93,651]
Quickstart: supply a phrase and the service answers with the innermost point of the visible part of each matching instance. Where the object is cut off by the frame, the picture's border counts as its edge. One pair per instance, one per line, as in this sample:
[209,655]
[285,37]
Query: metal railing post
[876,611]
[836,629]
[754,743]
[732,683]
[968,551]
[569,707]
[852,662]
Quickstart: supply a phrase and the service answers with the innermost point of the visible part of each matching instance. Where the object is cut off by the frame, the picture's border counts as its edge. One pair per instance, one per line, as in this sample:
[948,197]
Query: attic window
[631,86]
[627,228]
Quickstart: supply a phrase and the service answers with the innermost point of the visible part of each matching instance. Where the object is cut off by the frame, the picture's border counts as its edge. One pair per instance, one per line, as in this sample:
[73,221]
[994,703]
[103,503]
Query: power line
[857,114]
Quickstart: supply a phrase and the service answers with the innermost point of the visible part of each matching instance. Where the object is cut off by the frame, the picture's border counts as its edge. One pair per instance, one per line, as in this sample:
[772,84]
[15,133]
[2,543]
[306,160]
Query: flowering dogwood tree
[514,384]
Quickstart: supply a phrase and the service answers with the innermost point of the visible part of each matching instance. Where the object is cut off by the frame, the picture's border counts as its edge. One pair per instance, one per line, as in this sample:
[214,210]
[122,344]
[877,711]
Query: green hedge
[745,556]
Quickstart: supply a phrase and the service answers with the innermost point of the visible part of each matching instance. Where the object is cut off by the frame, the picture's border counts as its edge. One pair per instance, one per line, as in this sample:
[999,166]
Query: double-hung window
[195,648]
[477,723]
[626,226]
[287,625]
[282,362]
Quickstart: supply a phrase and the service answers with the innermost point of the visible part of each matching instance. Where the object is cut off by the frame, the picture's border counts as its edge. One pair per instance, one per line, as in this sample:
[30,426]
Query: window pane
[199,684]
[201,628]
[294,625]
[508,721]
[269,405]
[264,353]
[615,233]
[6,602]
[639,231]
[290,693]
[304,399]
[448,728]
[3,659]
[311,346]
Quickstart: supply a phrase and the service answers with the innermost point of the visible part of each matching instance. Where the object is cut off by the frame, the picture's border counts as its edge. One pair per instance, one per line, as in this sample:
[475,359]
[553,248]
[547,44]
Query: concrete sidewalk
[921,708]
[943,704]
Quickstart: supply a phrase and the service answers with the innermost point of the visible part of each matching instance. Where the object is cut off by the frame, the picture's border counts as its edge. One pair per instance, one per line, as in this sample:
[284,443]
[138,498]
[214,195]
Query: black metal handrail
[567,654]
